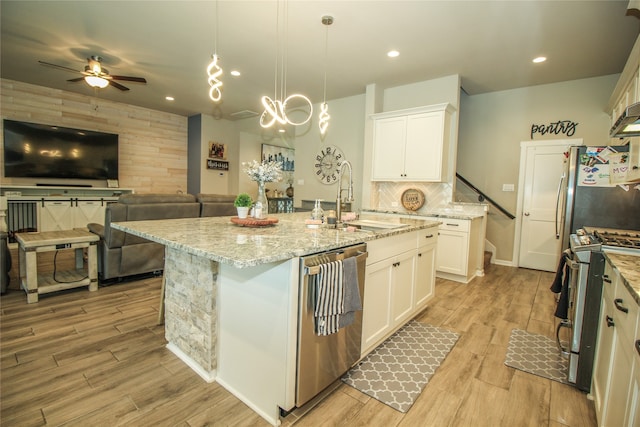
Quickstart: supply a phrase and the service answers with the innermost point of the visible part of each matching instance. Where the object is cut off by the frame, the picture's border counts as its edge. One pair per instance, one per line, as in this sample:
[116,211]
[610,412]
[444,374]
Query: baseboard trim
[208,376]
[503,262]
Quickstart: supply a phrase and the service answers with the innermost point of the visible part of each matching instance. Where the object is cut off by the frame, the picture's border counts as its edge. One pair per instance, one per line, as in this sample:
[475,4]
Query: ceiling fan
[96,76]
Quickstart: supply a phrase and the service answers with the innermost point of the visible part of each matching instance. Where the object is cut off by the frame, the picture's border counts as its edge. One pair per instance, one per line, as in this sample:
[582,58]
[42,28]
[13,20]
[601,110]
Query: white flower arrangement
[263,172]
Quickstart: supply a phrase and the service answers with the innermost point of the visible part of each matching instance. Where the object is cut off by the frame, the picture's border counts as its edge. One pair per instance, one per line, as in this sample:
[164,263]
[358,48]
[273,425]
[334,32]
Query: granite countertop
[437,213]
[217,239]
[629,268]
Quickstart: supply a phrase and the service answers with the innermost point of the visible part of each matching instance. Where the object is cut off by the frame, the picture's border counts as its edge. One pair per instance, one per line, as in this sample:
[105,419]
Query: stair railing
[482,197]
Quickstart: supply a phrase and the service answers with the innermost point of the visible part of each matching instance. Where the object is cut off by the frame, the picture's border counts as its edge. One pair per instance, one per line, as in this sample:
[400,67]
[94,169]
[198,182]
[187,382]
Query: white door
[543,188]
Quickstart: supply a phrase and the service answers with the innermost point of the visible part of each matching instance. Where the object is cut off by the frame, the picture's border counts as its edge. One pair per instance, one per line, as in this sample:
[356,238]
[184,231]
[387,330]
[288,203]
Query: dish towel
[561,285]
[329,297]
[352,301]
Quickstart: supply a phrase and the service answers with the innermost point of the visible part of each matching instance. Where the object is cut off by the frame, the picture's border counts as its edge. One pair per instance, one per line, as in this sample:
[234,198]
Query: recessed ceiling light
[235,73]
[539,59]
[393,53]
[169,98]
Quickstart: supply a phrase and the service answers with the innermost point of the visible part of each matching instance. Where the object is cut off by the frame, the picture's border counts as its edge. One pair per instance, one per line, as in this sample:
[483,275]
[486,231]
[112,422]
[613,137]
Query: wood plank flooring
[82,358]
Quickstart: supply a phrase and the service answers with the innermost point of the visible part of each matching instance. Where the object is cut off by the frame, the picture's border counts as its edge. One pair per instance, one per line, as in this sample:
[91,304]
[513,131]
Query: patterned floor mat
[536,354]
[397,371]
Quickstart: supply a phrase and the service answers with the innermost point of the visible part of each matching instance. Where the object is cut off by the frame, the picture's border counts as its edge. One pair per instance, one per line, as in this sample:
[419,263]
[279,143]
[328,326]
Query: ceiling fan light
[95,81]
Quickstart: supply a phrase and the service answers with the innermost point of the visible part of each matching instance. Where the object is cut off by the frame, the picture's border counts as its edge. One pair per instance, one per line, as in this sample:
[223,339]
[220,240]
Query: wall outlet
[394,204]
[301,182]
[508,187]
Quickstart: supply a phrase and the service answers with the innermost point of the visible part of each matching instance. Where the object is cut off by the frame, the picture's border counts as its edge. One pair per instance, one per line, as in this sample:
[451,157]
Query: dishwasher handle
[313,270]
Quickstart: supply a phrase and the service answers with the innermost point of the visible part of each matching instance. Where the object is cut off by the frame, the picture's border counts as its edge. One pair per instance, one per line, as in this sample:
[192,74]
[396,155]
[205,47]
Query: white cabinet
[56,215]
[411,145]
[399,282]
[615,384]
[66,214]
[425,267]
[460,249]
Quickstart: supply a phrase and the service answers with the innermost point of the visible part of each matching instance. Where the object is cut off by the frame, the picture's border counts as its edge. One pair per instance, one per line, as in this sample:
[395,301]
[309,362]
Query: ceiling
[490,44]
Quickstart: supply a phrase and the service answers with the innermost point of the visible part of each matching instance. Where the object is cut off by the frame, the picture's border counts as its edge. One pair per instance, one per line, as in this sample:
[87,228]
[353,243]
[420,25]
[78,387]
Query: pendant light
[275,110]
[323,118]
[213,69]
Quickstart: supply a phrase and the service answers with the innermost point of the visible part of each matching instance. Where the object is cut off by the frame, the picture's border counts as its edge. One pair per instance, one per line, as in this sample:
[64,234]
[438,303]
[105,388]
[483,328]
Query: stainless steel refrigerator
[590,200]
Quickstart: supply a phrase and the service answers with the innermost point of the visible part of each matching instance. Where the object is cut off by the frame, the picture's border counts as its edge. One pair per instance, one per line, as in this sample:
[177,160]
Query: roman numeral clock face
[327,164]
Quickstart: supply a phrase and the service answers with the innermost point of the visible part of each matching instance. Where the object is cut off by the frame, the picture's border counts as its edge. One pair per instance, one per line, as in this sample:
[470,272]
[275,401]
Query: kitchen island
[231,297]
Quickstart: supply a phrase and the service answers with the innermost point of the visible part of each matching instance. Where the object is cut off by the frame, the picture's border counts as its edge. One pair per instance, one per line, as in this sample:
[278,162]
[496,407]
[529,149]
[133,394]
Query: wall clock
[327,164]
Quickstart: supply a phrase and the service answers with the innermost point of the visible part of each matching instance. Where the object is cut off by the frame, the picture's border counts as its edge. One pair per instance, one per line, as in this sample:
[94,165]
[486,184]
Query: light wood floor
[98,359]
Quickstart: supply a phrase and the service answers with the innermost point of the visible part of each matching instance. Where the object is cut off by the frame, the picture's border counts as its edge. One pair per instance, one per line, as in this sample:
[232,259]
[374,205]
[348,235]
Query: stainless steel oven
[585,267]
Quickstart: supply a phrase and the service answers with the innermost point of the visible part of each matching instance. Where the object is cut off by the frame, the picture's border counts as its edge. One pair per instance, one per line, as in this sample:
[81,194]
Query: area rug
[536,354]
[397,371]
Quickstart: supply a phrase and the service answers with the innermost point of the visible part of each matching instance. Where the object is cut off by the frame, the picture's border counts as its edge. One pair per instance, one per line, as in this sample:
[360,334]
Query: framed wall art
[279,154]
[217,150]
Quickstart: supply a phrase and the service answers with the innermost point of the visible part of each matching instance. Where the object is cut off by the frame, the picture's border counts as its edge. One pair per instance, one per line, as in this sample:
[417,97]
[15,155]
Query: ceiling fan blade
[76,79]
[118,85]
[60,67]
[129,79]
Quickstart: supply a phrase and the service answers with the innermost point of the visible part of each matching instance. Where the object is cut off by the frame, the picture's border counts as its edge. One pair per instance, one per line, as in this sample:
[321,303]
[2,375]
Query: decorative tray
[412,199]
[254,222]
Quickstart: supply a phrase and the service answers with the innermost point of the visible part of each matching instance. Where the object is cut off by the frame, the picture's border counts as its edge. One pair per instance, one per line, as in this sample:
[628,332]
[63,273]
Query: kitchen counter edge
[268,244]
[629,268]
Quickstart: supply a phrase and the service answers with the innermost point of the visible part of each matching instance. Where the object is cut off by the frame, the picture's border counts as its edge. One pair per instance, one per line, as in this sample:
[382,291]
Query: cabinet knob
[606,278]
[527,214]
[638,346]
[610,323]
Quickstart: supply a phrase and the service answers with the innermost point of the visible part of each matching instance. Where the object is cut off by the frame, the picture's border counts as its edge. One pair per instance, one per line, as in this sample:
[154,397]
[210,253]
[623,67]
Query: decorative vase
[290,191]
[261,209]
[242,211]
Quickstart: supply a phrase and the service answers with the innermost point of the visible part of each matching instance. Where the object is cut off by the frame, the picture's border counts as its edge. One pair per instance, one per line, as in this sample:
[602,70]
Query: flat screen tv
[42,151]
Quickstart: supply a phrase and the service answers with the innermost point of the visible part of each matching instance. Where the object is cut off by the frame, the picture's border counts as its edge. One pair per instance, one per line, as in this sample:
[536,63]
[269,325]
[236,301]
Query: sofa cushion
[138,199]
[216,204]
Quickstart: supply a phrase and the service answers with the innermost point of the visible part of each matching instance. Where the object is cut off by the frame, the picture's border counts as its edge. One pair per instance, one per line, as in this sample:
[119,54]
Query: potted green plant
[242,203]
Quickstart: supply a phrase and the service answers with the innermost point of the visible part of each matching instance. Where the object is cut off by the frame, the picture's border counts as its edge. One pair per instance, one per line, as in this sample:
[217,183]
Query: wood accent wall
[153,144]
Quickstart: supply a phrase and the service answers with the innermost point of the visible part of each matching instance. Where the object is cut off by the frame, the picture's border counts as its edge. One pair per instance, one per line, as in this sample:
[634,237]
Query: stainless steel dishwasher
[323,359]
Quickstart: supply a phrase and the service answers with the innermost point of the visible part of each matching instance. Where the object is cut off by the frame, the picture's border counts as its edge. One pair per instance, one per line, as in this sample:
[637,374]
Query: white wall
[492,126]
[346,131]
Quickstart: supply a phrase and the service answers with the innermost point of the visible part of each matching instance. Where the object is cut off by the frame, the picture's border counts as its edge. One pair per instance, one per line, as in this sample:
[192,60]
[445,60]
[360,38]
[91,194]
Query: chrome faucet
[350,190]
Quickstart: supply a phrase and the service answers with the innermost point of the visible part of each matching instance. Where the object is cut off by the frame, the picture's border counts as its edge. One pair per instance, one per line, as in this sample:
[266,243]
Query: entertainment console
[53,208]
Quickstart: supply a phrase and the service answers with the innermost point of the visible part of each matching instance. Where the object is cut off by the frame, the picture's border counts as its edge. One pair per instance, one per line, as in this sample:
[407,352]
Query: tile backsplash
[388,195]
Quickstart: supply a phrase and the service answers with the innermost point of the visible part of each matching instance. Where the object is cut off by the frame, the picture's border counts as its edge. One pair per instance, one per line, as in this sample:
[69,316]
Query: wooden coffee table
[30,244]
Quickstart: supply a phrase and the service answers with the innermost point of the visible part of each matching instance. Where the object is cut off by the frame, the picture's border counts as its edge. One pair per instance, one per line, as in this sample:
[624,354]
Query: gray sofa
[121,254]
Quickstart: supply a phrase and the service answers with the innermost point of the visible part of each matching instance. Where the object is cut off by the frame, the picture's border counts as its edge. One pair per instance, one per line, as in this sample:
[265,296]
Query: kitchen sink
[373,225]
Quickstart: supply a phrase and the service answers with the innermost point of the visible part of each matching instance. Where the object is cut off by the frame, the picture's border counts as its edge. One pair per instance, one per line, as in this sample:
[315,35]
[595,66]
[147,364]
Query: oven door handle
[572,264]
[564,323]
[558,206]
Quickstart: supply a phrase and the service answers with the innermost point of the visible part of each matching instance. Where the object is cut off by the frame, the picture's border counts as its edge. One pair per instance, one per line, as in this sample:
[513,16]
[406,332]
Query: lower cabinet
[54,215]
[616,379]
[399,282]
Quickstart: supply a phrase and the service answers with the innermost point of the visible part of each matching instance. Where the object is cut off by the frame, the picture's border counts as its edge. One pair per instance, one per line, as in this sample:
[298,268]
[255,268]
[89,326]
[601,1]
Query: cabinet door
[402,287]
[87,211]
[376,307]
[602,365]
[388,148]
[423,152]
[618,395]
[453,252]
[633,408]
[55,215]
[425,276]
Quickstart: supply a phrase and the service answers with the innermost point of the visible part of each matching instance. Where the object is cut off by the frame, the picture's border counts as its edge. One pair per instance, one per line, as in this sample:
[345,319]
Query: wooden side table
[30,244]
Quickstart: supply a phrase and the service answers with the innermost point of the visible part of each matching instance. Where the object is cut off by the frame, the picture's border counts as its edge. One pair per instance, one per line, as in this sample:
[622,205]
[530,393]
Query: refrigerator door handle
[558,206]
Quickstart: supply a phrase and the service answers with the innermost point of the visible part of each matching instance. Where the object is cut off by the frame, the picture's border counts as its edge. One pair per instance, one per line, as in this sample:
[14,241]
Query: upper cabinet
[412,145]
[627,92]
